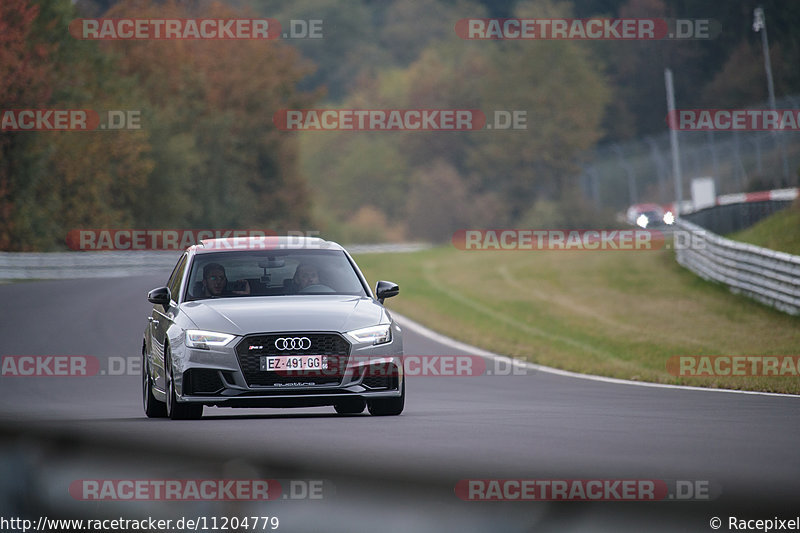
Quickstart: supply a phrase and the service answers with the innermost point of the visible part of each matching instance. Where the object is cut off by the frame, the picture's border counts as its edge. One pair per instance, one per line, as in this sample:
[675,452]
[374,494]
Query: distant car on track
[649,215]
[299,327]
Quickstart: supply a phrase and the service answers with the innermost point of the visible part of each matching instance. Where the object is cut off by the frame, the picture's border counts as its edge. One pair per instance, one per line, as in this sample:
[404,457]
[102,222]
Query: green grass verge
[615,313]
[780,232]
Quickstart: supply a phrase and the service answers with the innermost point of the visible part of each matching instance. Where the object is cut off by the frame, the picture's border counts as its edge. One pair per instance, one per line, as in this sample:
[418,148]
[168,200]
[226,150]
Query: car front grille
[332,346]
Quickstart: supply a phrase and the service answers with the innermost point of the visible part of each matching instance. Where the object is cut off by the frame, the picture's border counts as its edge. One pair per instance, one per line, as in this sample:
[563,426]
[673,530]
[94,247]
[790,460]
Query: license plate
[292,362]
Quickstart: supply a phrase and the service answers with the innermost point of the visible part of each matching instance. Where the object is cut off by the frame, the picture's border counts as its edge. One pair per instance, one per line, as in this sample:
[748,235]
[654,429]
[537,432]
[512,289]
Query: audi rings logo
[293,343]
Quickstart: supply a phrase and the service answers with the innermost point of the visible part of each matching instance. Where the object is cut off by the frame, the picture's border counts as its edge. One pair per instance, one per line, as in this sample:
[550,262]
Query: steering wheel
[317,287]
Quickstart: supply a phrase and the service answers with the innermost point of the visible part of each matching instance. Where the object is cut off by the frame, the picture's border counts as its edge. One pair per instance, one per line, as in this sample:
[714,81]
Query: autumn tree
[25,80]
[557,86]
[219,160]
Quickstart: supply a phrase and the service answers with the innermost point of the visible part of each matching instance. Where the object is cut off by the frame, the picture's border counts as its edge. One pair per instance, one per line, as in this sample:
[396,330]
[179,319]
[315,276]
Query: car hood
[258,314]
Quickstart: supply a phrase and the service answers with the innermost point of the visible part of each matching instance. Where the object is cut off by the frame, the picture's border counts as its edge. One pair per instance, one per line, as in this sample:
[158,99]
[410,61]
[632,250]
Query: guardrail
[724,219]
[735,212]
[768,276]
[75,265]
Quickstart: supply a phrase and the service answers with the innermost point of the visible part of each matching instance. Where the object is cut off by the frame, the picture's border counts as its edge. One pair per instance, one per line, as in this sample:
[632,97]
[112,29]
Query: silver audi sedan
[270,322]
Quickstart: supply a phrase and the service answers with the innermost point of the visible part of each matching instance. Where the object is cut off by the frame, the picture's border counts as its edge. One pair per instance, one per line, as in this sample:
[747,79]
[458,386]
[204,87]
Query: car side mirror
[159,296]
[386,289]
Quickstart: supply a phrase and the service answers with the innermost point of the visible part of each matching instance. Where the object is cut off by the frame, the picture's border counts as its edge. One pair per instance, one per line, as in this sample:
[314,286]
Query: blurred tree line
[208,154]
[405,54]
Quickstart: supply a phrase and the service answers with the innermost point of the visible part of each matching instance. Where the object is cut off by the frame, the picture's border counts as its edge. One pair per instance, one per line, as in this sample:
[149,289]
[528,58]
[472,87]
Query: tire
[388,406]
[350,406]
[175,409]
[152,407]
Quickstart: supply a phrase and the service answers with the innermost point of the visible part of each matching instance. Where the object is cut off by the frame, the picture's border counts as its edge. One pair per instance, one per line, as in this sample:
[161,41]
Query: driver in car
[215,282]
[304,276]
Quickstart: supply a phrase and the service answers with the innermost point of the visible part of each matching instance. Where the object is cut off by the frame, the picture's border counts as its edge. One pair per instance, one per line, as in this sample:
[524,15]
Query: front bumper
[225,377]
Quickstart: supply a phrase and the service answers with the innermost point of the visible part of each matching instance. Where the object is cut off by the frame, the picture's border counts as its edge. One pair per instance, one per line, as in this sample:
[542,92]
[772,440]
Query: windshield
[272,273]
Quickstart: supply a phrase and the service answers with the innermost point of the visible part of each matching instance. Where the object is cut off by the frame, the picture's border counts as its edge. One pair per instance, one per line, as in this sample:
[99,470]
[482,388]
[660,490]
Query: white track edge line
[458,345]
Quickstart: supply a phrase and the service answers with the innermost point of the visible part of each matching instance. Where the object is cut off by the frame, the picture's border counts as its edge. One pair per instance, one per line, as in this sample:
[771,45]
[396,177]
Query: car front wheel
[176,410]
[388,406]
[350,406]
[152,407]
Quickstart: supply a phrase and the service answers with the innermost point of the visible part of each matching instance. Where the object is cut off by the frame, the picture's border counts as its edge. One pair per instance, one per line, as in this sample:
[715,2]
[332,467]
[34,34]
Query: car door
[161,319]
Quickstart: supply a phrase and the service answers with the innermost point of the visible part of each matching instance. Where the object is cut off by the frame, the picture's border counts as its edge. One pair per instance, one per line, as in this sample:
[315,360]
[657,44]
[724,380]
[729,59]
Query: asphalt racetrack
[737,452]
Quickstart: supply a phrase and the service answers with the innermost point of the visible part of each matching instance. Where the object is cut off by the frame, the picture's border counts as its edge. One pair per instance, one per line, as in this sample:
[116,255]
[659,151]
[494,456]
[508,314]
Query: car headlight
[669,218]
[380,334]
[203,340]
[642,221]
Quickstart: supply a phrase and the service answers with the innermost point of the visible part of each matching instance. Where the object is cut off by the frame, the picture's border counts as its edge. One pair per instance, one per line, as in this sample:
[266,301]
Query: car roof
[286,242]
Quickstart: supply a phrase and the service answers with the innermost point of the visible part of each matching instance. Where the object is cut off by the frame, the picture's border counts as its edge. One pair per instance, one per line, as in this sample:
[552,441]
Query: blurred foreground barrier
[53,471]
[768,276]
